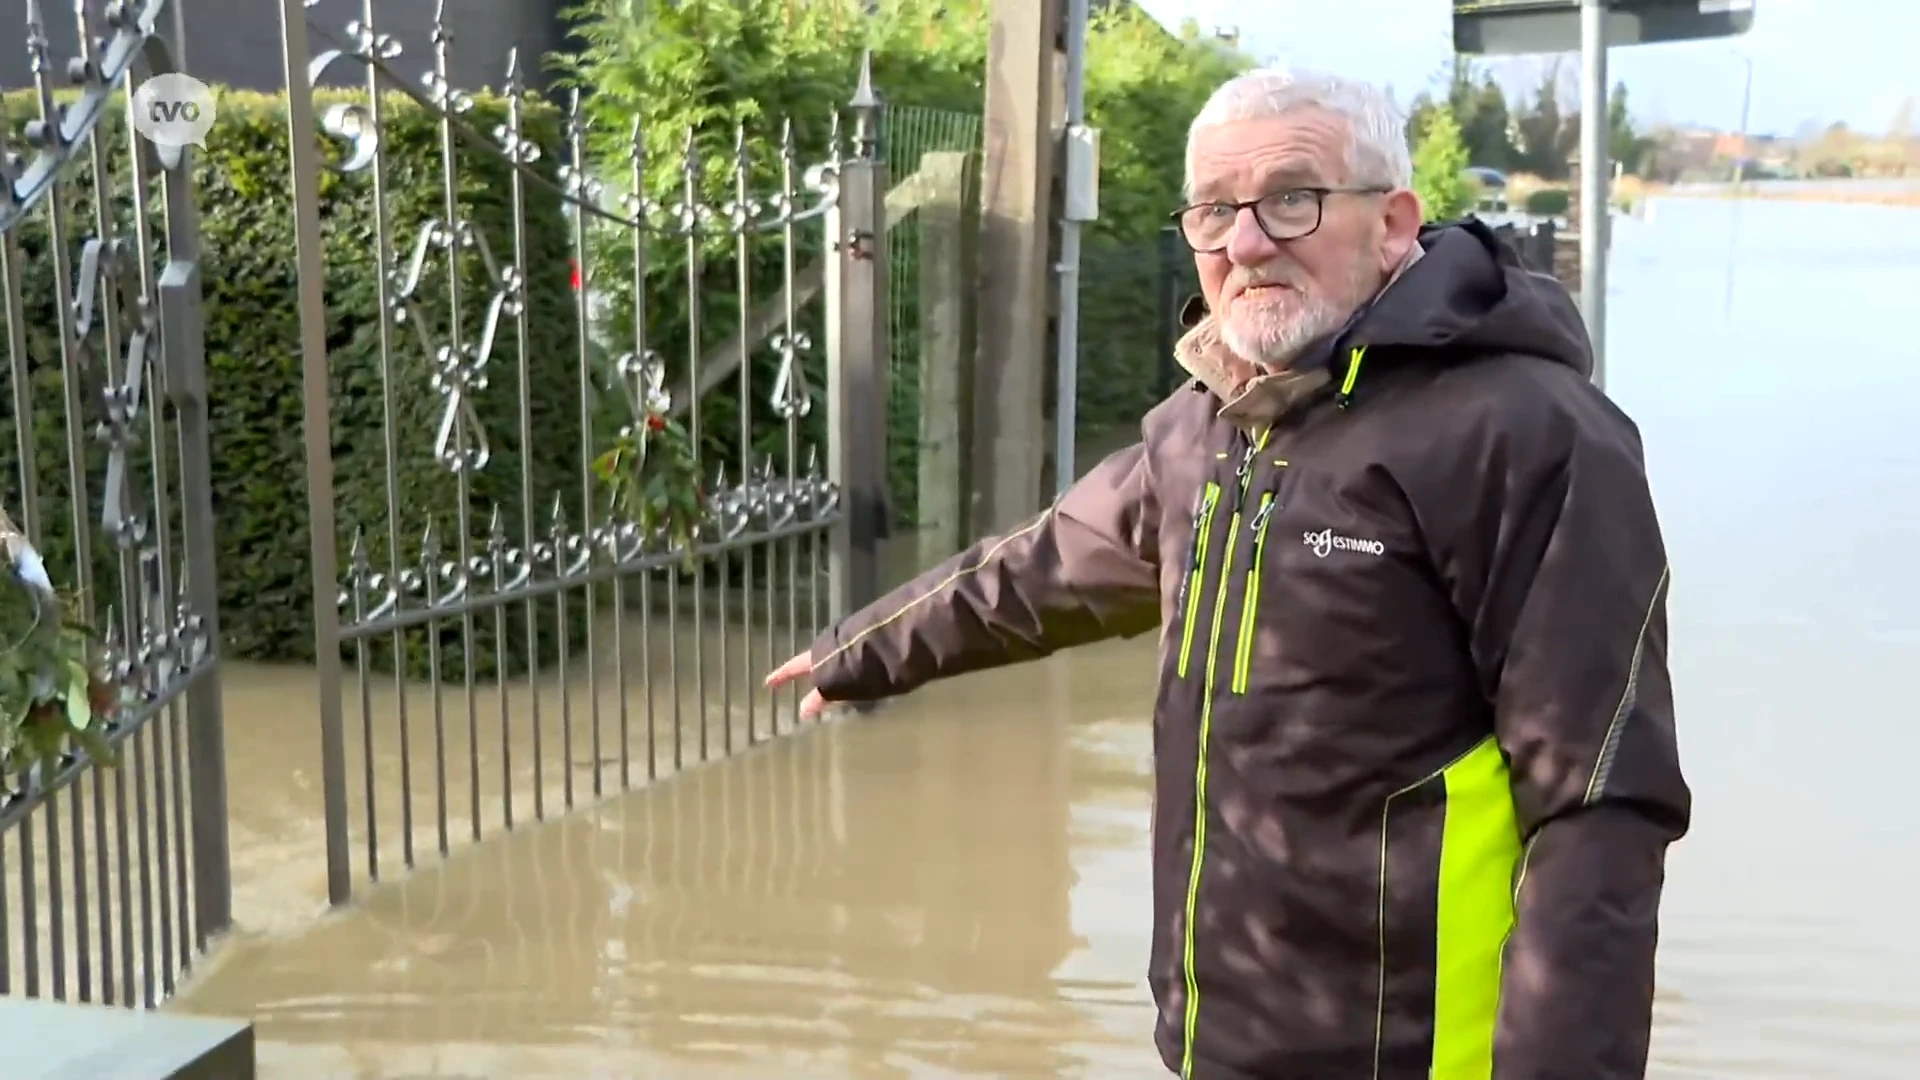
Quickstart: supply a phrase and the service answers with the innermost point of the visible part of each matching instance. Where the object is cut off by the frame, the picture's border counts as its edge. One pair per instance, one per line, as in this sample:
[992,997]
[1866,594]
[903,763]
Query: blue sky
[1813,60]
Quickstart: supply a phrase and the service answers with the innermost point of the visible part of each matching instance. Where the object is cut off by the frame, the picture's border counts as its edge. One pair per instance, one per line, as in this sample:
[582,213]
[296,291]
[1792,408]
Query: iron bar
[585,191]
[744,212]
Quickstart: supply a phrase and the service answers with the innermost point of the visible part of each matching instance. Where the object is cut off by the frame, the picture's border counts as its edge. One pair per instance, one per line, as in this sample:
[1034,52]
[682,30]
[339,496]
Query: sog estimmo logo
[1325,542]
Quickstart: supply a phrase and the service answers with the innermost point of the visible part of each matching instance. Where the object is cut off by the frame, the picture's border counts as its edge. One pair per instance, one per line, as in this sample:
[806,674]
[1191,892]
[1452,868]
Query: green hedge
[254,368]
[654,59]
[1549,202]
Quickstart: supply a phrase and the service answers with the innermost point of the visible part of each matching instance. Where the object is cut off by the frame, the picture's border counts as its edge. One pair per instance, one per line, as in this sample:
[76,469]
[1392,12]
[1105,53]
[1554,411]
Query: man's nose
[1248,244]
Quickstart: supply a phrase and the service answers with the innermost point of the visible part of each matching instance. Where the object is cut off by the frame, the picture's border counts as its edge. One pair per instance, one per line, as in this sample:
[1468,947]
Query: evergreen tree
[1439,168]
[1543,142]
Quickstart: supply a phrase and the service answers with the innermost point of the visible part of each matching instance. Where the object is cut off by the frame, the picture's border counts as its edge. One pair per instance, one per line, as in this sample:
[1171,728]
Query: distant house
[237,42]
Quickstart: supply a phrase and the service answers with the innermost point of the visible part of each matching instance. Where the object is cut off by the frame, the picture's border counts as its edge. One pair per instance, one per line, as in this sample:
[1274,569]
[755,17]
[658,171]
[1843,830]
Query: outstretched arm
[1083,570]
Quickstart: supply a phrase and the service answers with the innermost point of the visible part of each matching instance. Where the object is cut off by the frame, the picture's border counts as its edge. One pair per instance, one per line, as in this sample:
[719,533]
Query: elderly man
[1414,740]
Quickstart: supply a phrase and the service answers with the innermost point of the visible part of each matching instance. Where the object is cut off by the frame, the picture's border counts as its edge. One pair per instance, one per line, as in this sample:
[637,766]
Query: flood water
[958,885]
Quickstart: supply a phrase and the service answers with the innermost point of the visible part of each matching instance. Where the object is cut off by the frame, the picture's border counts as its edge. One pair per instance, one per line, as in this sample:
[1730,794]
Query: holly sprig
[653,477]
[53,694]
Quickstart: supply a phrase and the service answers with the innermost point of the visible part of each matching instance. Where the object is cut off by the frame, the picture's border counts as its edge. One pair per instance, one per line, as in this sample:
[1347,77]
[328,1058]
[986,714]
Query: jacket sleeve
[1564,587]
[1084,570]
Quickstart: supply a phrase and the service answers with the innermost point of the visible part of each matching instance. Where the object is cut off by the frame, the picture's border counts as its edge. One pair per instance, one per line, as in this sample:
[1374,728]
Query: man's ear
[1402,218]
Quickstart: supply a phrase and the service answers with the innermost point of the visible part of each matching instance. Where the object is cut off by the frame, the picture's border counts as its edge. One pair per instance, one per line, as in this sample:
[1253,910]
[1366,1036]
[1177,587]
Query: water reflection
[953,887]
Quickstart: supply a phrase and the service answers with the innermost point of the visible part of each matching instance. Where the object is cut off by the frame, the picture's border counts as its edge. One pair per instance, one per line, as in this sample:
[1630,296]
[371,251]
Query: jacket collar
[1251,396]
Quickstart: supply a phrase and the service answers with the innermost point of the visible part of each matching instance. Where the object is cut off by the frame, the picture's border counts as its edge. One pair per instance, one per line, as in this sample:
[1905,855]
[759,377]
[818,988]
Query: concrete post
[949,221]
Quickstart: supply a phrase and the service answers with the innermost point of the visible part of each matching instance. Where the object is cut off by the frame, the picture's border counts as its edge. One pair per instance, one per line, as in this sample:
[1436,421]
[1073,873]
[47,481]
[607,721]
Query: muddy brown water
[957,885]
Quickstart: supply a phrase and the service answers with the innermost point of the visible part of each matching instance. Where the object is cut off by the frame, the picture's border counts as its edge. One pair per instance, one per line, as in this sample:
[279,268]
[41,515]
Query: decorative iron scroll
[634,526]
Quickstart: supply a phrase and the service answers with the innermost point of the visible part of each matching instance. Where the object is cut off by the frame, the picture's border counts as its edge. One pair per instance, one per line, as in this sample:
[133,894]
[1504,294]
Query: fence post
[317,407]
[949,222]
[857,358]
[1164,339]
[183,352]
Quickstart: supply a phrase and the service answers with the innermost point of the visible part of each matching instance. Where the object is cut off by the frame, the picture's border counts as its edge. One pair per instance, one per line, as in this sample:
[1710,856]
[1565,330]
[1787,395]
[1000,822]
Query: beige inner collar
[1253,396]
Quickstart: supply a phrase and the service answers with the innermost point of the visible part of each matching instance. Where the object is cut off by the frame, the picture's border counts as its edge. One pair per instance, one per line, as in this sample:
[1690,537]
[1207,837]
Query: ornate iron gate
[112,880]
[505,612]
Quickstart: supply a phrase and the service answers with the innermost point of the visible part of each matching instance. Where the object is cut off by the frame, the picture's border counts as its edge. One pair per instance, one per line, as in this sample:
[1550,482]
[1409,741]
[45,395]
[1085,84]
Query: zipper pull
[1200,507]
[1246,461]
[1266,510]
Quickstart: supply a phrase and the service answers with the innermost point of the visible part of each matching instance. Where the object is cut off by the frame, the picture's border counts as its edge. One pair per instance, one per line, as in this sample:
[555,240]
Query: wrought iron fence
[557,608]
[112,880]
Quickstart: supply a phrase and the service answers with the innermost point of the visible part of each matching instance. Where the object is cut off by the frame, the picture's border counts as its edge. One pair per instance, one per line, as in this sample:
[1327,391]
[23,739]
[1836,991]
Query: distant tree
[1900,134]
[1625,143]
[1440,168]
[1543,131]
[1419,115]
[1901,129]
[1486,125]
[1479,107]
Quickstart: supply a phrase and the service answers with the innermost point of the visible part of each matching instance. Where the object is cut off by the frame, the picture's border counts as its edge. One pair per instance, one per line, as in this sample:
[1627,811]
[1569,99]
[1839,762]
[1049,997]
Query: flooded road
[950,887]
[958,885]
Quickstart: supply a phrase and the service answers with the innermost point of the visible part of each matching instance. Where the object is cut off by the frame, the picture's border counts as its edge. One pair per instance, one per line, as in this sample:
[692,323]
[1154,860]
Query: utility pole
[1081,172]
[1595,168]
[1010,443]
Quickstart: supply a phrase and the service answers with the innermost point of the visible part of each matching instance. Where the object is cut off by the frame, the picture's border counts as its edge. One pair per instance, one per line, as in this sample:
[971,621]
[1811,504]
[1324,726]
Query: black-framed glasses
[1282,215]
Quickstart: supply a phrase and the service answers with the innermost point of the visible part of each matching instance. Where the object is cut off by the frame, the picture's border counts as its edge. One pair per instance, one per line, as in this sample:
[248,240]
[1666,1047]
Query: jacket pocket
[1250,598]
[1190,585]
[1449,851]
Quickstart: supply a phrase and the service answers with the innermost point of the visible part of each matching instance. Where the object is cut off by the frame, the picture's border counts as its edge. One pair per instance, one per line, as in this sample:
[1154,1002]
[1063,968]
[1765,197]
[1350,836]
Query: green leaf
[79,709]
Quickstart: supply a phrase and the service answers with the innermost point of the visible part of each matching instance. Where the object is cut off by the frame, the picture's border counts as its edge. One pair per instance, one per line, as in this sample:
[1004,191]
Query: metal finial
[690,158]
[866,111]
[786,137]
[864,96]
[513,68]
[740,140]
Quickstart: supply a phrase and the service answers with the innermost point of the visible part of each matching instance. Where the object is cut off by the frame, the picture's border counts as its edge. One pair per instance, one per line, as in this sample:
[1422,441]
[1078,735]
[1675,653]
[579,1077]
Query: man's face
[1272,298]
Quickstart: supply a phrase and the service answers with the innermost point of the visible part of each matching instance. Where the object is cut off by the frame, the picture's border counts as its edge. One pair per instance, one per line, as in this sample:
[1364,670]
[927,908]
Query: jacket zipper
[1243,475]
[1200,800]
[1196,571]
[1250,599]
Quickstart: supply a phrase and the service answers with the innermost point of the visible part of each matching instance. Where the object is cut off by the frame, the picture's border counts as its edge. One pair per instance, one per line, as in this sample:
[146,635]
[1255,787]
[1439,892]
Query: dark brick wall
[237,42]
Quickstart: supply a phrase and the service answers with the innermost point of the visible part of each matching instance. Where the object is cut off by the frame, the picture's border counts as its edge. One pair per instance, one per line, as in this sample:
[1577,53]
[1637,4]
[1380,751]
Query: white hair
[1376,132]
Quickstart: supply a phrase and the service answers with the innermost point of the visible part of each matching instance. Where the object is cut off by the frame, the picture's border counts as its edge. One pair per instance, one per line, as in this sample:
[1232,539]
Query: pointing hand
[799,667]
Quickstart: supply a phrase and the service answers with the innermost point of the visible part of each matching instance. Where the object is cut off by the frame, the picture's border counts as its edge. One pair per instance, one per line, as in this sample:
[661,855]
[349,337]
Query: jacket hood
[1471,295]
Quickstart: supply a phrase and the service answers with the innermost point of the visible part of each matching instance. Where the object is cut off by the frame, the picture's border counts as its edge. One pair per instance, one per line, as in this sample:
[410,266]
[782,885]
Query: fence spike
[864,97]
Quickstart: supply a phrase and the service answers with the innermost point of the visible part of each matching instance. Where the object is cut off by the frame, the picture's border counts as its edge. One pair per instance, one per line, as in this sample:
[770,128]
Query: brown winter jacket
[1414,736]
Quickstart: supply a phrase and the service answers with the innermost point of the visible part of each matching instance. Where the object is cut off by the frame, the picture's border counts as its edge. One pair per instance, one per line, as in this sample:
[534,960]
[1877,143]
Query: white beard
[1271,328]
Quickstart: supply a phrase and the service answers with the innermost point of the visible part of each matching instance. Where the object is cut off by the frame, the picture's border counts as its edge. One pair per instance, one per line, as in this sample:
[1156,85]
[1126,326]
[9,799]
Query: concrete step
[47,1040]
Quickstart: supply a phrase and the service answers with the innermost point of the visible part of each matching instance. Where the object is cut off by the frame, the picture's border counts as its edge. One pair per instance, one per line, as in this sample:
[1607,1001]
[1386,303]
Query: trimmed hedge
[249,285]
[1549,202]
